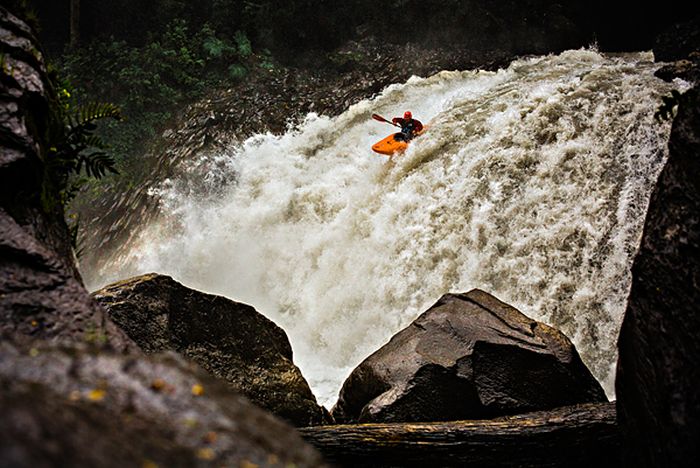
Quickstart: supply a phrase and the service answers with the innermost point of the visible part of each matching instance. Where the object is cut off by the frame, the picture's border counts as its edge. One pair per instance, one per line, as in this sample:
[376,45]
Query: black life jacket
[407,128]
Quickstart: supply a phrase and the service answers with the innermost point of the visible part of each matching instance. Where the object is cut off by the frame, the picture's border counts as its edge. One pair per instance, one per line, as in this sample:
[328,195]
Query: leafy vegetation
[81,149]
[23,10]
[150,82]
[73,147]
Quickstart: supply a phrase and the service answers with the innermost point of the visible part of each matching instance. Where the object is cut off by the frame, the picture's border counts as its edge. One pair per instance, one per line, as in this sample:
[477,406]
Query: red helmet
[407,115]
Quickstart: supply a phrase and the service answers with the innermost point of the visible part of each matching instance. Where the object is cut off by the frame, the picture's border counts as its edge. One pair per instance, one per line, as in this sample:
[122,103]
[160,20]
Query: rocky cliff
[658,377]
[41,291]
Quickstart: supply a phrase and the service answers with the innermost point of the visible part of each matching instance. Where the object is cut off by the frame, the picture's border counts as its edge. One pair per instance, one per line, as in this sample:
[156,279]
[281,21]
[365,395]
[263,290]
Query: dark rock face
[75,407]
[658,378]
[678,41]
[41,292]
[470,356]
[231,340]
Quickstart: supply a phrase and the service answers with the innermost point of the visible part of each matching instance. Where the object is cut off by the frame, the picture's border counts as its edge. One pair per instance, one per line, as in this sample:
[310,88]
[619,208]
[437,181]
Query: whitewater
[531,183]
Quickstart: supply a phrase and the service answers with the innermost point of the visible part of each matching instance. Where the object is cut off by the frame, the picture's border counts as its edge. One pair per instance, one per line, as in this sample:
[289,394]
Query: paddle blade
[379,118]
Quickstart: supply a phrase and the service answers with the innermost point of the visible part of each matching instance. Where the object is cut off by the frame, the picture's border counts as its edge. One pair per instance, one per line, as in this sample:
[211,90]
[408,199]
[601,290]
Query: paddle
[382,119]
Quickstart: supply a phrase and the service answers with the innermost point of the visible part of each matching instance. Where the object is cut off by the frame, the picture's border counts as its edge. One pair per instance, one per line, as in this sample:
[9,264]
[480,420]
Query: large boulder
[658,377]
[470,356]
[229,339]
[41,291]
[77,407]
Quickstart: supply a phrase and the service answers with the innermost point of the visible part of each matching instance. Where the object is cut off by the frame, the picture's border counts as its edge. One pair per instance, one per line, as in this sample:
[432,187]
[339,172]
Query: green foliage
[237,71]
[80,149]
[24,11]
[216,48]
[266,60]
[346,60]
[74,148]
[221,49]
[152,81]
[74,233]
[243,46]
[667,110]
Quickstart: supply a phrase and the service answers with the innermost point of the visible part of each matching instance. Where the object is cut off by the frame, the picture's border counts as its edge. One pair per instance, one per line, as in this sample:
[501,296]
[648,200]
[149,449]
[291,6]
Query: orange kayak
[390,145]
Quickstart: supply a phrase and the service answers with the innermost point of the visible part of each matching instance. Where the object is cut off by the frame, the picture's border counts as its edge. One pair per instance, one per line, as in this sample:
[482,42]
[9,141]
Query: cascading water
[531,183]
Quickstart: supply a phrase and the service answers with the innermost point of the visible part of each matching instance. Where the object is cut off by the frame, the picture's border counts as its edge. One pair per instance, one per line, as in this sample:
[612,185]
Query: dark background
[286,27]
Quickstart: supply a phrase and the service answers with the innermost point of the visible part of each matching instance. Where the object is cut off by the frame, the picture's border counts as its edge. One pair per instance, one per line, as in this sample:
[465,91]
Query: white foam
[531,183]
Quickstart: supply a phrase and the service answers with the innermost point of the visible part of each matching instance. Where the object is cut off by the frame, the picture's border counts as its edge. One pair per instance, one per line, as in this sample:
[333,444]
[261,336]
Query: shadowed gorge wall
[658,397]
[41,291]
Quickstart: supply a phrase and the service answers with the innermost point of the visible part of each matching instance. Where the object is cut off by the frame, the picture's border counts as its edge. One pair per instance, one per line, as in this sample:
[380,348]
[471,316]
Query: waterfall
[530,183]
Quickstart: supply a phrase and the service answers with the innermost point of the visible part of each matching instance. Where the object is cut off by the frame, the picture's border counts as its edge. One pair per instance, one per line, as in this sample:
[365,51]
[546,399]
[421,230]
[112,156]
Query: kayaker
[410,127]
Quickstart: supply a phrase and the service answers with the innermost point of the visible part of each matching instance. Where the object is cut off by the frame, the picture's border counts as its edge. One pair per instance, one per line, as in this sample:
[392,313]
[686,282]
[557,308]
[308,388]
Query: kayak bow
[390,145]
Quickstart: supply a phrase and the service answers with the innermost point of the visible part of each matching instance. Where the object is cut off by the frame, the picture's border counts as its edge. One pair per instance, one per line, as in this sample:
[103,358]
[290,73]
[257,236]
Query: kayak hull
[390,145]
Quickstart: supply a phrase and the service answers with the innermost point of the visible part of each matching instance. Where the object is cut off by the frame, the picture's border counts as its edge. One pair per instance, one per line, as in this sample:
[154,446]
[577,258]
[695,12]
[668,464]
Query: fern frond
[93,111]
[93,141]
[97,164]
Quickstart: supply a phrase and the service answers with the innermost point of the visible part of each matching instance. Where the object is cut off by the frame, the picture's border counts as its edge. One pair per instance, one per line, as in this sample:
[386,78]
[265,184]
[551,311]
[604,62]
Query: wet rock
[40,296]
[229,339]
[687,69]
[658,400]
[470,356]
[75,407]
[41,291]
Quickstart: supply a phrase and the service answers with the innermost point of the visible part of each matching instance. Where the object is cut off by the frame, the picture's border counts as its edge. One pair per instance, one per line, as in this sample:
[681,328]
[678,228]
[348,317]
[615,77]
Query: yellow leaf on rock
[158,385]
[197,390]
[205,454]
[96,395]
